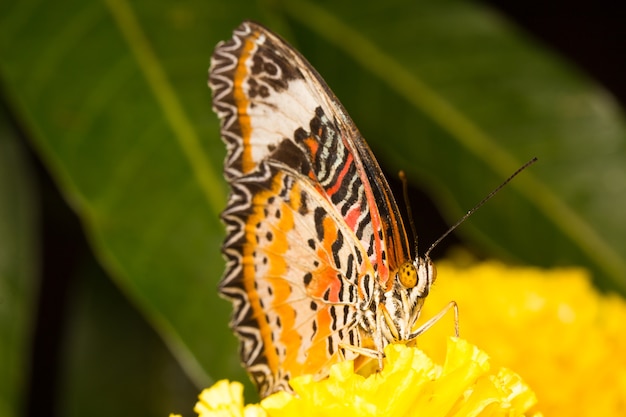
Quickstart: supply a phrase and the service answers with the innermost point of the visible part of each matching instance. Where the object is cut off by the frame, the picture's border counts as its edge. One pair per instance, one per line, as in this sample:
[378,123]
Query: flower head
[409,384]
[225,399]
[563,337]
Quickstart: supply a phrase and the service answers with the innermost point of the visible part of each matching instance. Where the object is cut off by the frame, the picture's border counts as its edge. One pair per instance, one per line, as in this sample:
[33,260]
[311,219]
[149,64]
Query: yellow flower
[225,399]
[409,384]
[564,338]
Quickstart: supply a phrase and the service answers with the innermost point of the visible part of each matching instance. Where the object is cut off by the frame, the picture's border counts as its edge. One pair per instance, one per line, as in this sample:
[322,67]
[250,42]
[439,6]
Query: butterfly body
[319,266]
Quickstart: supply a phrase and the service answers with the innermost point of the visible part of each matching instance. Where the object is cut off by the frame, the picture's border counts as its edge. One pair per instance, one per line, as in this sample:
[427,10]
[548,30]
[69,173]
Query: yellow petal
[409,384]
[564,338]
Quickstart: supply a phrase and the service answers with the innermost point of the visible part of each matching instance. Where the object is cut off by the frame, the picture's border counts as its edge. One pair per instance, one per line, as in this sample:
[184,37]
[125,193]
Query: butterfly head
[402,304]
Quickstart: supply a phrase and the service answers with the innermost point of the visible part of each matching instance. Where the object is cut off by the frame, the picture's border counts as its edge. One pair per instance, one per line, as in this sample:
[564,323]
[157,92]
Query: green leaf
[113,95]
[460,100]
[19,264]
[110,349]
[121,117]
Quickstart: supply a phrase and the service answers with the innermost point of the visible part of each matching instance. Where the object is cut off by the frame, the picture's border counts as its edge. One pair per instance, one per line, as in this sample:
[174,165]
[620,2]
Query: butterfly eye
[407,275]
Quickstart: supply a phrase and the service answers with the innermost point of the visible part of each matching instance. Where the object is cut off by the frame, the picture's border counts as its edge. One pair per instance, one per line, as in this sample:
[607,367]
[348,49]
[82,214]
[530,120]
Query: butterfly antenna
[407,203]
[479,205]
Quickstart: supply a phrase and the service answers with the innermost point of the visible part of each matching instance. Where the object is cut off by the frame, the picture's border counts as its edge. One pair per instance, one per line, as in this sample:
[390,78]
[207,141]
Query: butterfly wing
[311,222]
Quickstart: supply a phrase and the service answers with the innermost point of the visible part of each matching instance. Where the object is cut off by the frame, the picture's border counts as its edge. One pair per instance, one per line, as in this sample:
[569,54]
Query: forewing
[310,220]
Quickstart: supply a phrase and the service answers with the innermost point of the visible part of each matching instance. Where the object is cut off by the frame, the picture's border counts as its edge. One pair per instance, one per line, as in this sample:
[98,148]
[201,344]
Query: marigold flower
[225,399]
[409,384]
[563,337]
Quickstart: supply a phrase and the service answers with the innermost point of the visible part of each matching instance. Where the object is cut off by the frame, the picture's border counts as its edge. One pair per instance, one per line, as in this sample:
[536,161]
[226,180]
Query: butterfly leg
[370,353]
[373,327]
[452,305]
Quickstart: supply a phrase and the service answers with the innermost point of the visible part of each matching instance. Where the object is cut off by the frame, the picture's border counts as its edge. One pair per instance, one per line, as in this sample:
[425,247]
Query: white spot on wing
[279,115]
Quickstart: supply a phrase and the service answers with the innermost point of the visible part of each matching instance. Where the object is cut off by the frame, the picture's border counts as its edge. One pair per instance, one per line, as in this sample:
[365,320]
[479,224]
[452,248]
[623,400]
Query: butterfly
[318,262]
